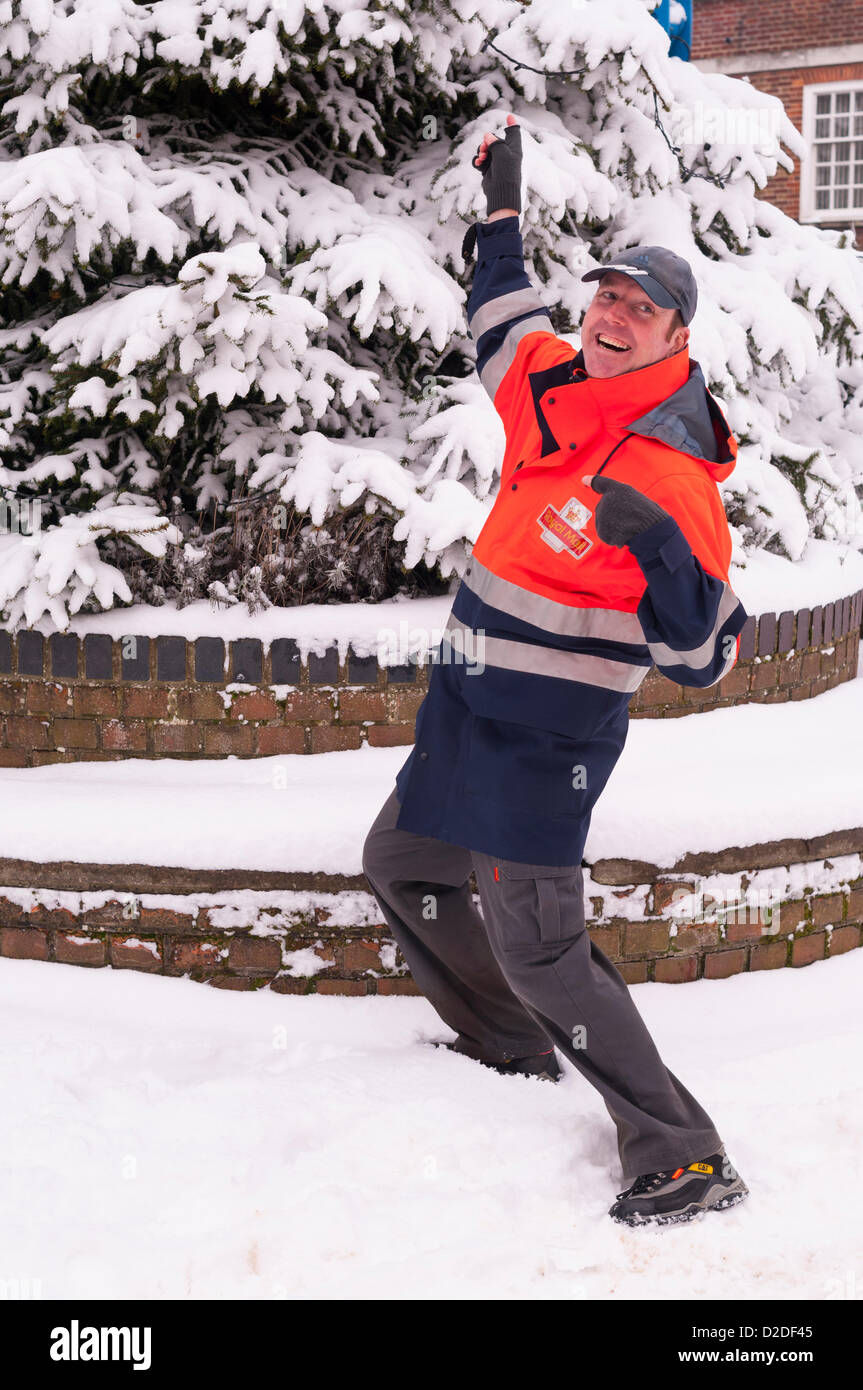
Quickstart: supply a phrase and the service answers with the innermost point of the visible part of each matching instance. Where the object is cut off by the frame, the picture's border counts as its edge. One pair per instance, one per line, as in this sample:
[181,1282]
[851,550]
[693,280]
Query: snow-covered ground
[735,776]
[163,1140]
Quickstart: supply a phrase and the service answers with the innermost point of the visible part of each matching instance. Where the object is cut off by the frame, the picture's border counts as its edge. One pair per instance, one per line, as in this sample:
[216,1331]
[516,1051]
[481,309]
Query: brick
[405,704]
[765,675]
[95,699]
[23,943]
[362,955]
[13,757]
[642,937]
[700,936]
[634,972]
[134,657]
[193,955]
[718,965]
[199,704]
[343,986]
[855,905]
[736,682]
[13,695]
[39,915]
[398,985]
[148,703]
[257,953]
[362,704]
[277,738]
[676,971]
[247,661]
[177,738]
[75,733]
[390,735]
[844,939]
[811,665]
[664,890]
[231,982]
[128,956]
[221,740]
[607,939]
[303,705]
[827,910]
[807,949]
[26,733]
[125,734]
[46,697]
[769,955]
[110,915]
[77,952]
[328,738]
[159,919]
[254,704]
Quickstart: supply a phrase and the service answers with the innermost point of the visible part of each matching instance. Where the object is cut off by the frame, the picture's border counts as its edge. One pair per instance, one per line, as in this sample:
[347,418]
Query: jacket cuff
[501,238]
[661,544]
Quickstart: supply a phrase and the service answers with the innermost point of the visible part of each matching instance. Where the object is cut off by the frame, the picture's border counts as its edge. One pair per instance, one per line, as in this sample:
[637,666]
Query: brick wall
[289,934]
[732,28]
[67,699]
[721,27]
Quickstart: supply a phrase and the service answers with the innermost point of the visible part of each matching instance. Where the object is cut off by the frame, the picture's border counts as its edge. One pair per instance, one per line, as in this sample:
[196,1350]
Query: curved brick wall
[801,901]
[67,698]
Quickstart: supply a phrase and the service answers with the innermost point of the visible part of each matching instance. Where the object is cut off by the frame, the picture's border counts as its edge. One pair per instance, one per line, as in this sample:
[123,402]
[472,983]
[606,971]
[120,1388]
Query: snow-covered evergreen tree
[233,354]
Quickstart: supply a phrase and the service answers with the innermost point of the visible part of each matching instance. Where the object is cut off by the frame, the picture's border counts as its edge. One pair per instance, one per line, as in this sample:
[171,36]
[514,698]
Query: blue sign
[675,16]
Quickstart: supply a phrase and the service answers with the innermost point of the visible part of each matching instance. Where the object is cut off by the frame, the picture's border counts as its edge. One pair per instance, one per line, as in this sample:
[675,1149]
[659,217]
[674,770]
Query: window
[831,177]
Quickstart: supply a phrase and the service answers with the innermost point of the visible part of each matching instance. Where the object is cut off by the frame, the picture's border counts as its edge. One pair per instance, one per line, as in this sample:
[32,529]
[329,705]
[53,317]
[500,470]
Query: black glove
[501,171]
[624,512]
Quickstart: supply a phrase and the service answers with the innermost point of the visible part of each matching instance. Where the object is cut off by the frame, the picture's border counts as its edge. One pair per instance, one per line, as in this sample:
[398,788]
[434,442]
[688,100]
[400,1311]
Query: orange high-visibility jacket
[552,631]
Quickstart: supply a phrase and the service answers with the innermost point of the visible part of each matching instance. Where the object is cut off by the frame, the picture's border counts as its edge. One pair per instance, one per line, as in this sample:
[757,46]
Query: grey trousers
[525,976]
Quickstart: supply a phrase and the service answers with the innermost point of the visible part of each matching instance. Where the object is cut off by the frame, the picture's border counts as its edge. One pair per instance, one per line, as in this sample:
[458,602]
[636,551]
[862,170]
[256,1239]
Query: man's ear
[679,339]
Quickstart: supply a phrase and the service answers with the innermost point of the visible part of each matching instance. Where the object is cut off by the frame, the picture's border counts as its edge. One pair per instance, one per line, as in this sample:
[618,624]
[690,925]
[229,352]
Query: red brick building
[809,53]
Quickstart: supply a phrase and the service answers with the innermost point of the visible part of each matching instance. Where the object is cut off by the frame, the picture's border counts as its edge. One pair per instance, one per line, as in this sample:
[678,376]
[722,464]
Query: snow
[728,777]
[257,1146]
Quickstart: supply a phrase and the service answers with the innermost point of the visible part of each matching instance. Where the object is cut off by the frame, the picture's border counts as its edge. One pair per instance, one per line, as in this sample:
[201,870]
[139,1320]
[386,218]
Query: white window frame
[808,211]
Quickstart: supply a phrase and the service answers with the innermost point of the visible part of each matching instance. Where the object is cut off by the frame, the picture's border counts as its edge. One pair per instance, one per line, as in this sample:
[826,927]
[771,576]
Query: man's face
[620,310]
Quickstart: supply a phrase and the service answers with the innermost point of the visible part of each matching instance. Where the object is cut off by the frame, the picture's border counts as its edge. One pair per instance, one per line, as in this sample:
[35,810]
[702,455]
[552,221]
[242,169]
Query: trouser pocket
[541,904]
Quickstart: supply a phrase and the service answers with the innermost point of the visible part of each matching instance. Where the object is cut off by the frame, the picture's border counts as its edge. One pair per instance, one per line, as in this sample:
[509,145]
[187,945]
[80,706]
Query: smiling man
[624,328]
[606,552]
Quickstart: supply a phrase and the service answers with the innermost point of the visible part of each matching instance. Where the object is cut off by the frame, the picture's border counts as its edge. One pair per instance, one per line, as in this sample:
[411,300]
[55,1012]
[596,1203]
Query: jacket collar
[669,401]
[622,400]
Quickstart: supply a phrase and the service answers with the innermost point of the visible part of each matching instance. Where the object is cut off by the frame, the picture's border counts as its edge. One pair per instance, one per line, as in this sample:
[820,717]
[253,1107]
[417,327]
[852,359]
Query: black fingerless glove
[501,172]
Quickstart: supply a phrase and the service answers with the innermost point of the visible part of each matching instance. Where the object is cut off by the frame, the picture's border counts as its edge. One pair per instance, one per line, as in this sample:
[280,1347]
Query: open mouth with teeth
[609,344]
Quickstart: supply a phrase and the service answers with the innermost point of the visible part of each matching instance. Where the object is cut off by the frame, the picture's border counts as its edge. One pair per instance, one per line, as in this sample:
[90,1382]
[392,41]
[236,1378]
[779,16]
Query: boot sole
[500,1067]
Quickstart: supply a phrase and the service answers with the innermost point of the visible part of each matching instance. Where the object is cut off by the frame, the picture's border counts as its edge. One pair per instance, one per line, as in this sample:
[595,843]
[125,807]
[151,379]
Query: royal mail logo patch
[560,529]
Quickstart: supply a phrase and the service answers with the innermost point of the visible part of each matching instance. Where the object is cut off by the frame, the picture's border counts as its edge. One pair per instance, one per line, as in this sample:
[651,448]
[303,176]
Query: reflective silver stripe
[534,660]
[698,657]
[505,306]
[500,362]
[547,613]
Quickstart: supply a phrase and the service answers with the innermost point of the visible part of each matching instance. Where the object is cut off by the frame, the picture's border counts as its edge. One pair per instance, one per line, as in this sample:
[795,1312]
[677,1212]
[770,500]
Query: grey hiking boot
[679,1194]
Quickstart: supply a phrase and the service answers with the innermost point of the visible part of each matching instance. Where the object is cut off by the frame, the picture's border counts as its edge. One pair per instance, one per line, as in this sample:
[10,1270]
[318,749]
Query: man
[606,551]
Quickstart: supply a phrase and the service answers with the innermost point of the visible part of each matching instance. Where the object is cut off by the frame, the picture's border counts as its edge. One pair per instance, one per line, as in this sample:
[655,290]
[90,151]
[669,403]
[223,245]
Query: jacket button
[551,400]
[515,487]
[573,446]
[467,571]
[423,756]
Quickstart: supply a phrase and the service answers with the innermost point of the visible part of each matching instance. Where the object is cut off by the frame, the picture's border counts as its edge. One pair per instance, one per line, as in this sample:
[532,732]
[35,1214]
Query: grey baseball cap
[665,277]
